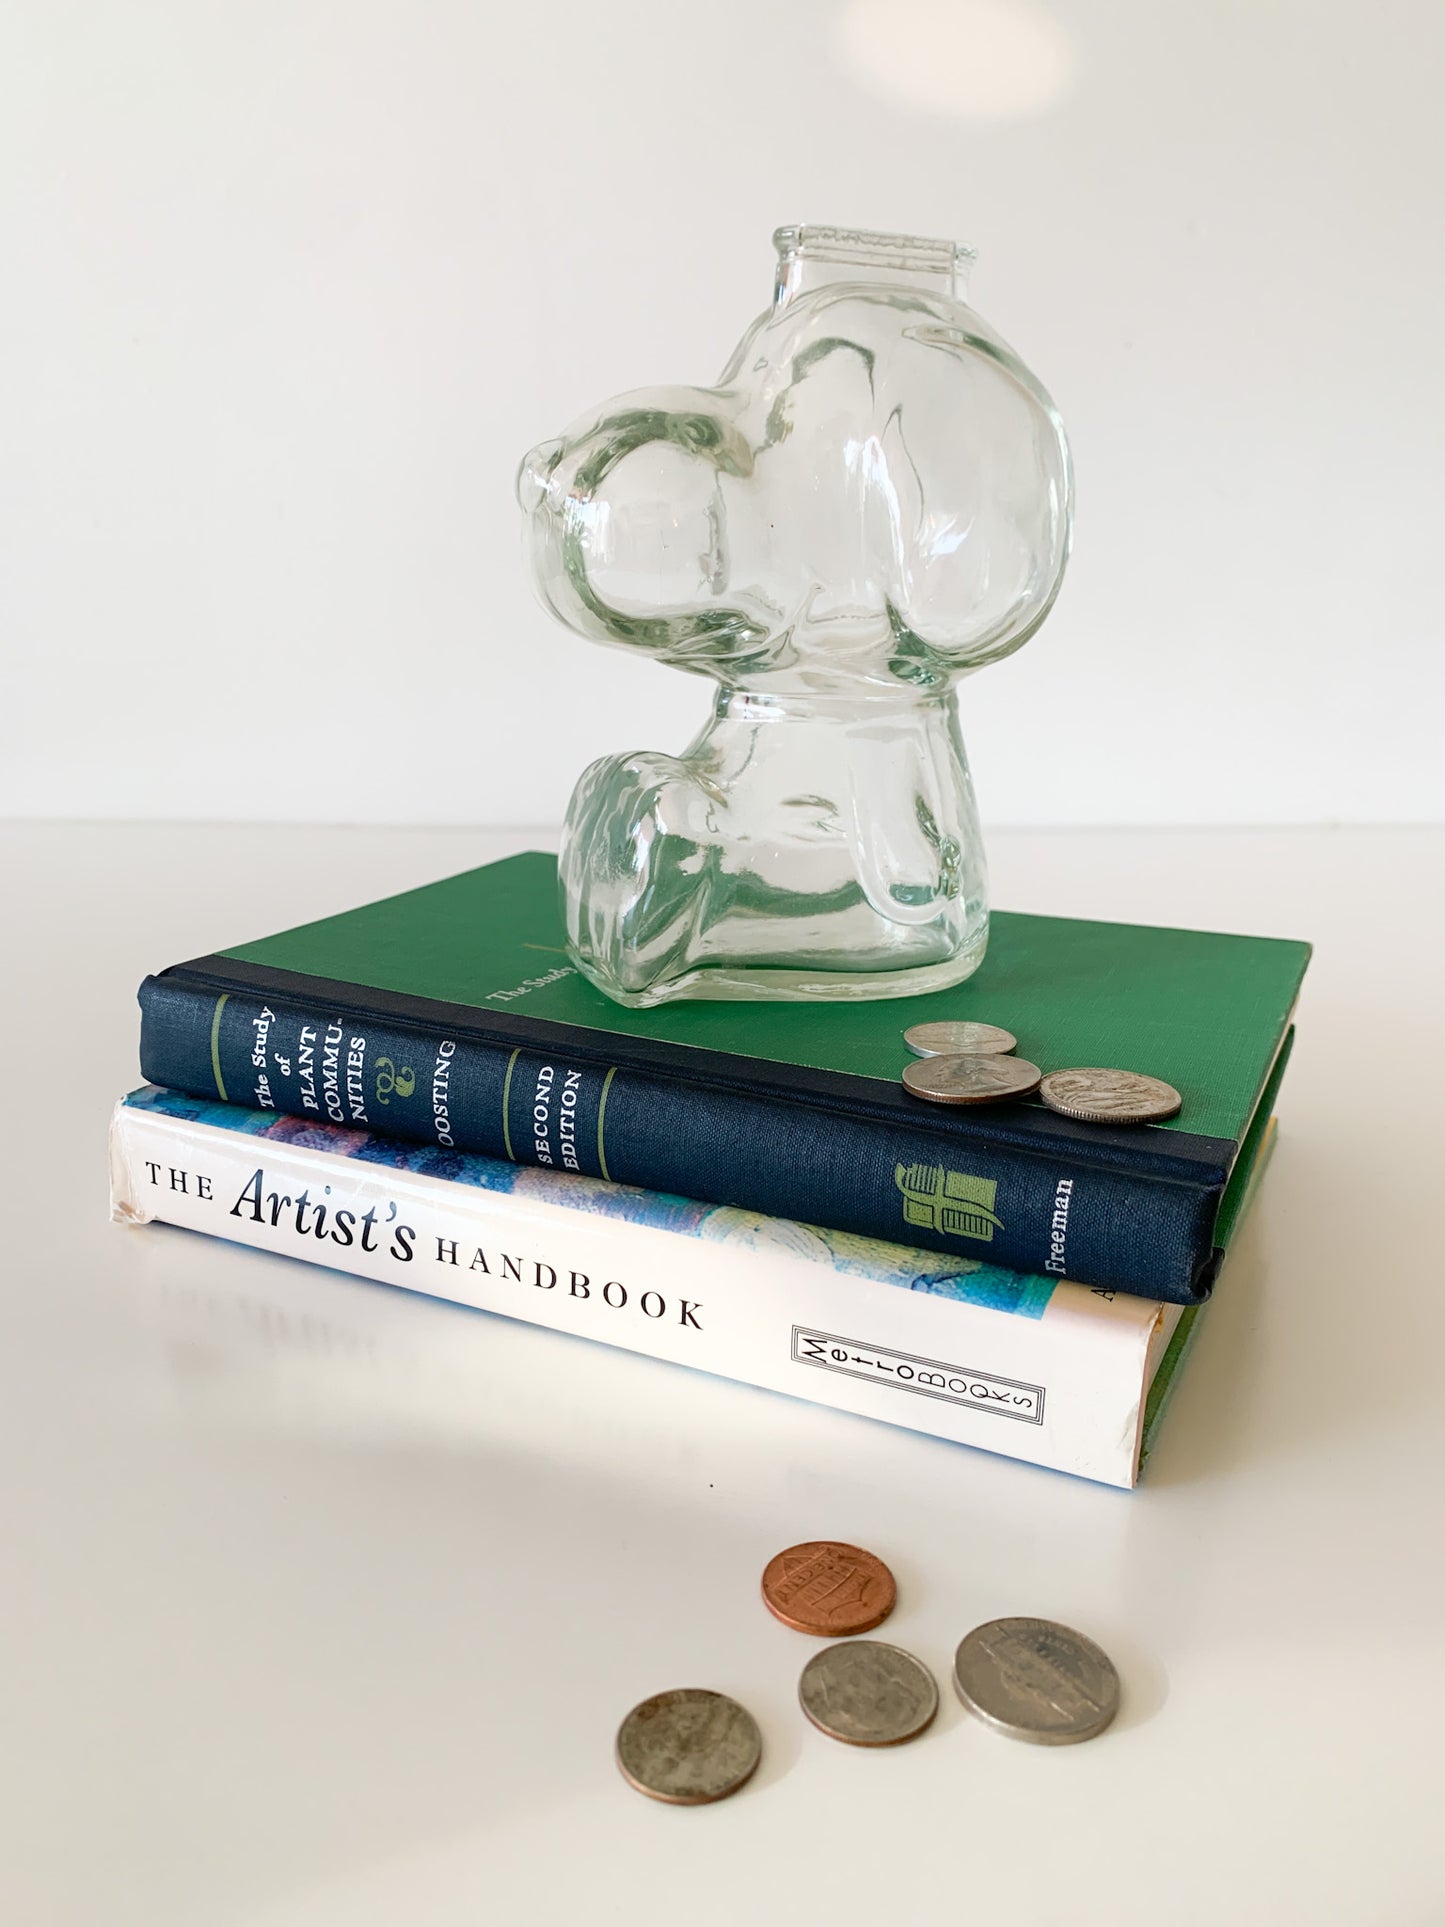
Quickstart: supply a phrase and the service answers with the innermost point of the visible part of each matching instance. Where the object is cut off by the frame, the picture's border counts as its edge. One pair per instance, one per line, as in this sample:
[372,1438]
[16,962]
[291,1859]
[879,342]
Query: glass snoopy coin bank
[873,501]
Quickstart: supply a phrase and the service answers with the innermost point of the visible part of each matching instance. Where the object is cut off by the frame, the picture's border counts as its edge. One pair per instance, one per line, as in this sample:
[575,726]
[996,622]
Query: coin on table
[1110,1097]
[868,1694]
[1036,1680]
[688,1747]
[959,1039]
[828,1588]
[971,1080]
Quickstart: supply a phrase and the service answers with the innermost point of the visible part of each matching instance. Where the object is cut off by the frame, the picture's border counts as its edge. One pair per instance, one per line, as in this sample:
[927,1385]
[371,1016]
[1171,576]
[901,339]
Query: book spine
[1065,1389]
[1038,1212]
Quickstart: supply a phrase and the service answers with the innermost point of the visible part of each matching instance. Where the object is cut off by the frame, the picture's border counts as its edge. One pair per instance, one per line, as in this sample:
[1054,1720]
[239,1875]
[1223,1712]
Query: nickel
[959,1040]
[971,1080]
[1110,1097]
[868,1694]
[688,1747]
[1037,1681]
[828,1588]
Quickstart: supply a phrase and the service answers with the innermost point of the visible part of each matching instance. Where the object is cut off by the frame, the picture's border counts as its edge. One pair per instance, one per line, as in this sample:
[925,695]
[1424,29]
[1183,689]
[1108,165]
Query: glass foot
[736,984]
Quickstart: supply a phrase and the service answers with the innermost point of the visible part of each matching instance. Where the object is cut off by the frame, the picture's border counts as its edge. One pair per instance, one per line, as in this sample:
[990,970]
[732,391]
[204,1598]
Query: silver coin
[1110,1097]
[959,1039]
[1036,1680]
[971,1080]
[688,1747]
[867,1693]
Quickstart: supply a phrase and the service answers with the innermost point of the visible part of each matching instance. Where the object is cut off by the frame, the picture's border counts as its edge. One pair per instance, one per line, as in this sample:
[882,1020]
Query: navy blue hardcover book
[452,1015]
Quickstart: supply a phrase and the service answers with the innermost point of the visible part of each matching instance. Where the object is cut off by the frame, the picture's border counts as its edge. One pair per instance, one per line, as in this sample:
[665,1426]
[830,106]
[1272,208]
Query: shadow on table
[1293,1347]
[334,1609]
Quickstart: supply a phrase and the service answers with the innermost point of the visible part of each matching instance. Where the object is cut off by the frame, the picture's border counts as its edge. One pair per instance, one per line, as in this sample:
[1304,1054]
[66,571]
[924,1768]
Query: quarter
[1036,1680]
[688,1747]
[828,1588]
[971,1080]
[959,1039]
[868,1694]
[1110,1097]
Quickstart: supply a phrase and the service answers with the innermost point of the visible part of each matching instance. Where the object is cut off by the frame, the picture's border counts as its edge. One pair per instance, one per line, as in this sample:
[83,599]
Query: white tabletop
[321,1604]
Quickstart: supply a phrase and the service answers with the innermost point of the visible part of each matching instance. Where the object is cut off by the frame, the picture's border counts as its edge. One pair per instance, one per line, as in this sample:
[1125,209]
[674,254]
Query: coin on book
[1036,1680]
[971,1080]
[828,1588]
[959,1039]
[688,1747]
[867,1693]
[1110,1097]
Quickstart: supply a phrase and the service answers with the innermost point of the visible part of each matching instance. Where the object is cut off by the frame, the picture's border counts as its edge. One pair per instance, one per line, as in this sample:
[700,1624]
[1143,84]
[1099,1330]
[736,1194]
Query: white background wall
[289,285]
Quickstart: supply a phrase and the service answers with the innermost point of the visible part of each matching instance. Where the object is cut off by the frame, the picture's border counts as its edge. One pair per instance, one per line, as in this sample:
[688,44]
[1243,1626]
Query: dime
[959,1039]
[868,1694]
[1110,1097]
[688,1747]
[828,1588]
[971,1080]
[1035,1680]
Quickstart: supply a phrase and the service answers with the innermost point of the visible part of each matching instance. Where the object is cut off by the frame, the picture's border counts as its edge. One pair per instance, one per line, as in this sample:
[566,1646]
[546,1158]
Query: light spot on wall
[979,60]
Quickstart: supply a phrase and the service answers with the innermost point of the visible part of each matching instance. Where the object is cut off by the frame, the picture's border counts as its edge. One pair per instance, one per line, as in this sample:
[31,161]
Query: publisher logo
[389,1079]
[948,1201]
[929,1377]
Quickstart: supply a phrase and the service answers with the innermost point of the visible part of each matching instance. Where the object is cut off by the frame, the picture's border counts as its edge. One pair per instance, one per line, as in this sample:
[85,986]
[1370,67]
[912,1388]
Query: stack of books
[425,1092]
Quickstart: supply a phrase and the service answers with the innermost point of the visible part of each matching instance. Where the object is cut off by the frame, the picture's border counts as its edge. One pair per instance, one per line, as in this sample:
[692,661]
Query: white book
[1036,1368]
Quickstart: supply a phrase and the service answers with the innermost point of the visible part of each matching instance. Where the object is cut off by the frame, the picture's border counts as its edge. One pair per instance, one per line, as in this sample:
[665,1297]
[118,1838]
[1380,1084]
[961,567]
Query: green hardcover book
[451,1015]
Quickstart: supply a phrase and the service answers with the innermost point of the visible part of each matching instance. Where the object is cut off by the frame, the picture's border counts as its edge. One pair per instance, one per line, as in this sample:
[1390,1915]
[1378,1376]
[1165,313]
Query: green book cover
[1203,1011]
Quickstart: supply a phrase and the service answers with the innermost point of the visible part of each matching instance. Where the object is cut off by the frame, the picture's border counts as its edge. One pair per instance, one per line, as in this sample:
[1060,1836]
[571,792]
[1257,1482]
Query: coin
[868,1694]
[1036,1680]
[971,1080]
[828,1588]
[1110,1097]
[959,1039]
[688,1747]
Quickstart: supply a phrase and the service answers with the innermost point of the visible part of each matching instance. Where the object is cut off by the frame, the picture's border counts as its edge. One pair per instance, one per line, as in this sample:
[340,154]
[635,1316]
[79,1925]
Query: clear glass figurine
[873,501]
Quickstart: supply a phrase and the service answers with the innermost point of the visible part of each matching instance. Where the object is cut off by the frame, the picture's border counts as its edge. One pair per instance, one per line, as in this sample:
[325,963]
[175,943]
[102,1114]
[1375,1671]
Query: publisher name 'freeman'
[1059,1225]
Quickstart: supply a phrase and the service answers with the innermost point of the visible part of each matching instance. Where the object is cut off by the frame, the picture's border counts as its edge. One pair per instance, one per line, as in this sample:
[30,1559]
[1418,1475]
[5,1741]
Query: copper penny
[828,1588]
